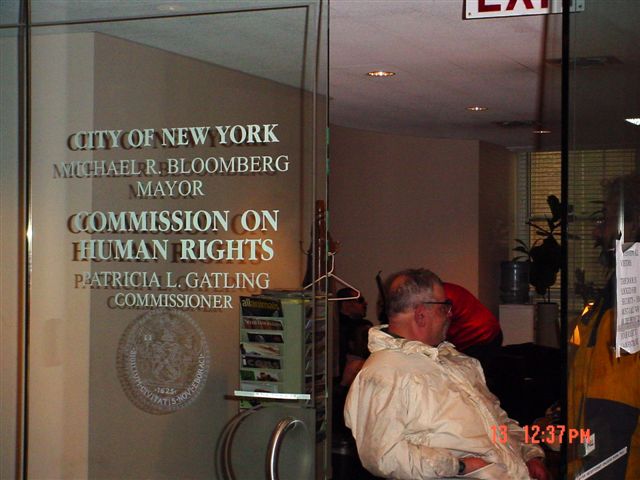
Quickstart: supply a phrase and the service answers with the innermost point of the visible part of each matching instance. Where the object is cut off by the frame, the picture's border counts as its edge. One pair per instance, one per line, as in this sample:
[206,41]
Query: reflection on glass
[57,11]
[604,187]
[172,171]
[9,253]
[9,12]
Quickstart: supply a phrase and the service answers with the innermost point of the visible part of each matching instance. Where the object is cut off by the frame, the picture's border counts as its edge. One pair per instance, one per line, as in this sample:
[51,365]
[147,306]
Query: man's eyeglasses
[447,305]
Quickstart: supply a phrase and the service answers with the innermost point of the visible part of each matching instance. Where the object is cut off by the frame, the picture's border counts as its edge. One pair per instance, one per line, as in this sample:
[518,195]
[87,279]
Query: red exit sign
[512,8]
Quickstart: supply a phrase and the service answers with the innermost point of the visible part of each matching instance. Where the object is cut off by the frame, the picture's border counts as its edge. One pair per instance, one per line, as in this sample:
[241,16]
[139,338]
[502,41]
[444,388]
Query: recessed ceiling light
[169,8]
[635,121]
[541,131]
[477,108]
[381,73]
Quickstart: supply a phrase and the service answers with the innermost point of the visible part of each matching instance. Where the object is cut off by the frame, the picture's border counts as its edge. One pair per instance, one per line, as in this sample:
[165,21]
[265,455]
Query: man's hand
[472,464]
[537,469]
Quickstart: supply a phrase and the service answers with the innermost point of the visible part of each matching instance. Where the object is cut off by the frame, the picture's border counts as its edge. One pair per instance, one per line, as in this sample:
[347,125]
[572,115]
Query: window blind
[588,169]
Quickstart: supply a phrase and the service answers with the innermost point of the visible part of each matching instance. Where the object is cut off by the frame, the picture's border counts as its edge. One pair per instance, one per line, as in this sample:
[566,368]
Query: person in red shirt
[474,330]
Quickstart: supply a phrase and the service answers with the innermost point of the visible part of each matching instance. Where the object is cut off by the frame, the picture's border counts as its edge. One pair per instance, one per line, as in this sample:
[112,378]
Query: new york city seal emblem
[163,361]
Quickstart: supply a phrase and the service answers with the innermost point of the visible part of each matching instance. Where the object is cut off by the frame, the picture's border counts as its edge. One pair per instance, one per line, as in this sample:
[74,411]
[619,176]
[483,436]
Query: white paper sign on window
[627,298]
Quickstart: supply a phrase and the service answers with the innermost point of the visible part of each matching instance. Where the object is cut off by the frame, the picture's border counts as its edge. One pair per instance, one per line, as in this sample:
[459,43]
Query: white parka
[414,410]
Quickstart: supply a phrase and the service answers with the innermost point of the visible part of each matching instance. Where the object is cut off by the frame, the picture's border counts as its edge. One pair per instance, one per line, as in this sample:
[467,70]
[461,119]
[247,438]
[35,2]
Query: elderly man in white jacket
[419,409]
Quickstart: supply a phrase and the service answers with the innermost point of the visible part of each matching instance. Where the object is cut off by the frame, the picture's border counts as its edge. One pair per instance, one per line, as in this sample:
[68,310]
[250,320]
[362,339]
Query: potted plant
[545,259]
[544,254]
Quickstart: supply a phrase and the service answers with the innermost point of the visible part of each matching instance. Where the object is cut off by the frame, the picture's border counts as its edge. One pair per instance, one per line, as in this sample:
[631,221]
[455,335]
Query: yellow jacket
[603,394]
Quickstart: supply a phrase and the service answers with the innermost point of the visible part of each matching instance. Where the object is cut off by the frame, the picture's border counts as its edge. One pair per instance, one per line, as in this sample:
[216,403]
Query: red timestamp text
[536,434]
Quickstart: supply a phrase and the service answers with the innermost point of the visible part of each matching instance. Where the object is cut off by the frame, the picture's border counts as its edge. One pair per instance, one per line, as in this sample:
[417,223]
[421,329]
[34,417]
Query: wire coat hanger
[330,274]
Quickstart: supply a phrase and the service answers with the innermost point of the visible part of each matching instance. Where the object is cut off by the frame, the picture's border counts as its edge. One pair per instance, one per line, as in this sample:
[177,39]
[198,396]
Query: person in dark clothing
[352,314]
[346,463]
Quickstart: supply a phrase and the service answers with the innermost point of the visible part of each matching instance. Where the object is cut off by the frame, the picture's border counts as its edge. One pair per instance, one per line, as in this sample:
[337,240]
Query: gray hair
[406,289]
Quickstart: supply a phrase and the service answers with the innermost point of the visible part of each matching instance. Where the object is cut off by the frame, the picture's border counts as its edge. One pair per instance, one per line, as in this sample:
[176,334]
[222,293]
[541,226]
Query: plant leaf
[555,206]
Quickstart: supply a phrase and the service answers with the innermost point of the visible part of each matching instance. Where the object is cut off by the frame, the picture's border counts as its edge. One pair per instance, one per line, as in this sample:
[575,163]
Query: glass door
[176,153]
[603,186]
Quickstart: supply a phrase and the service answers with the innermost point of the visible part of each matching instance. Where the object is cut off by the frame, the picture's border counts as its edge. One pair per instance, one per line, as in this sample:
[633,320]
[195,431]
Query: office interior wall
[496,207]
[170,90]
[400,201]
[81,423]
[62,84]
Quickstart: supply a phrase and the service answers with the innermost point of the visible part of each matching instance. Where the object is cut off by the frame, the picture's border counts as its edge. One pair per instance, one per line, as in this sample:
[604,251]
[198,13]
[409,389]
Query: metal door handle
[273,451]
[227,435]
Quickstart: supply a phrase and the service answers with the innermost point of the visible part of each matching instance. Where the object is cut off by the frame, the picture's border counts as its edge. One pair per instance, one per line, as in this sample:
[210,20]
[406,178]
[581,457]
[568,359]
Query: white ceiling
[443,63]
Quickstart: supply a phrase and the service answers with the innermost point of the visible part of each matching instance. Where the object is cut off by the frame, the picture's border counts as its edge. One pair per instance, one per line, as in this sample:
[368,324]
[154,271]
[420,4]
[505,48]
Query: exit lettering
[507,8]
